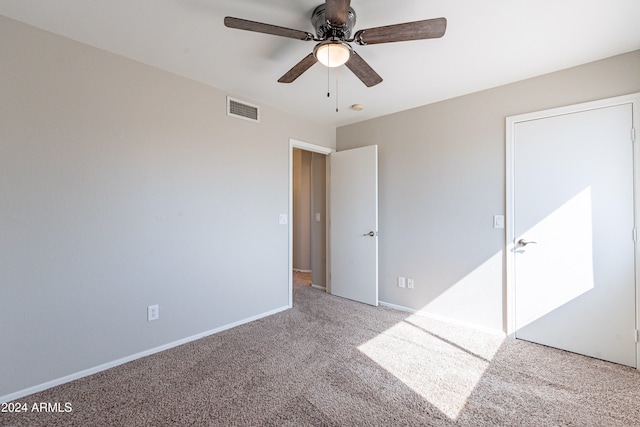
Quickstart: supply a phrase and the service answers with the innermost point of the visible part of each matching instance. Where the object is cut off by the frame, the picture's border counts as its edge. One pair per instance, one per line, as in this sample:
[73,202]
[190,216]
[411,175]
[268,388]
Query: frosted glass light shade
[333,54]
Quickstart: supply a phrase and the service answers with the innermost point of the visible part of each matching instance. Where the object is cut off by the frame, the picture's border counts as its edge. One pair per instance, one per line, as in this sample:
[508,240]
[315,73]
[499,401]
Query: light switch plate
[153,312]
[402,282]
[498,221]
[283,219]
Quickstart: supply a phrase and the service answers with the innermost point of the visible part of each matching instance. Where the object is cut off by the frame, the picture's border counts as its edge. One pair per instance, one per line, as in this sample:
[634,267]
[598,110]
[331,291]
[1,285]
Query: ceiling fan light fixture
[332,53]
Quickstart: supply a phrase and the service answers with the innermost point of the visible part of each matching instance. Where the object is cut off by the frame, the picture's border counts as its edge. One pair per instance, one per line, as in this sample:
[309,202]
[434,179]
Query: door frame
[511,121]
[294,143]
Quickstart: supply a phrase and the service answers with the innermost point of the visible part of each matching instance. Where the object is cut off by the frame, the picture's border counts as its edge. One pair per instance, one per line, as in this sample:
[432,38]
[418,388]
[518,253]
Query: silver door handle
[371,233]
[524,243]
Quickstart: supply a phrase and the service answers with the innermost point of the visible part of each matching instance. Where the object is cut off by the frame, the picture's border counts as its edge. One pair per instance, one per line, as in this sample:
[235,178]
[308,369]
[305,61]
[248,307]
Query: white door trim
[294,143]
[511,121]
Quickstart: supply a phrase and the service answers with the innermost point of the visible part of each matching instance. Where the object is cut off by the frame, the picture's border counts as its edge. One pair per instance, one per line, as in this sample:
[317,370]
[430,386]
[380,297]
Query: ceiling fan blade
[362,70]
[259,27]
[298,69]
[418,30]
[337,11]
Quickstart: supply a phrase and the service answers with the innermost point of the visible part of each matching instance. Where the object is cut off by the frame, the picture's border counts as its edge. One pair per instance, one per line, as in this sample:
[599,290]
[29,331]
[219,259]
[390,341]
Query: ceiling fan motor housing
[325,31]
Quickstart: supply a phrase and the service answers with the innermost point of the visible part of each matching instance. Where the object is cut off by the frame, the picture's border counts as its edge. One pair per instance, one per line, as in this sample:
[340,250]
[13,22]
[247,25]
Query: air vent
[243,110]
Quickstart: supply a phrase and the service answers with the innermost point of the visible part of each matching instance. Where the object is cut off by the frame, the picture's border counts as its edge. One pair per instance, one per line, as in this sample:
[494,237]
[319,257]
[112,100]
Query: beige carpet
[301,279]
[333,362]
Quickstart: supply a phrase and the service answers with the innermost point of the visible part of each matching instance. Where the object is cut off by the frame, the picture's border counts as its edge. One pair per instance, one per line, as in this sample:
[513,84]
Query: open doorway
[308,207]
[309,219]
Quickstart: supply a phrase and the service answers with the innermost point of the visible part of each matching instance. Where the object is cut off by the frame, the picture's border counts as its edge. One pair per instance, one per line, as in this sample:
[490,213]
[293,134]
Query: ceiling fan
[334,21]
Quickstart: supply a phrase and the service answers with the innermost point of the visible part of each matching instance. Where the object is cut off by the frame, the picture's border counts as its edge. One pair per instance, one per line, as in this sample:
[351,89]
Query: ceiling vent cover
[242,110]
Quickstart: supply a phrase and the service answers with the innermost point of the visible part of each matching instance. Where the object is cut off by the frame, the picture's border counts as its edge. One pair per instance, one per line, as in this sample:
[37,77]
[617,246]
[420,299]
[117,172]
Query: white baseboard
[322,288]
[112,364]
[302,271]
[445,319]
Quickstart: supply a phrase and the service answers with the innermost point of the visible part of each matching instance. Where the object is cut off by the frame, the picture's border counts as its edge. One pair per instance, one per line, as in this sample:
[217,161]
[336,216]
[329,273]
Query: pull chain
[328,82]
[328,76]
[337,89]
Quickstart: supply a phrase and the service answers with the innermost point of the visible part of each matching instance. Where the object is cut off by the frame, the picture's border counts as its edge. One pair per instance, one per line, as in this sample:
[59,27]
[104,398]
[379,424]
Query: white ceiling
[487,44]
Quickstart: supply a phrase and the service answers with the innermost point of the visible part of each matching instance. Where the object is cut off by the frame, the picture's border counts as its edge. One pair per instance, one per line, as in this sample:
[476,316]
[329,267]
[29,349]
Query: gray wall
[123,186]
[442,178]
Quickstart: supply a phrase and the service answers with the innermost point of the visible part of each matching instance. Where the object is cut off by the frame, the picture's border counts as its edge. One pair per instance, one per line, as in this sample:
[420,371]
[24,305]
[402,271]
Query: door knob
[524,243]
[371,233]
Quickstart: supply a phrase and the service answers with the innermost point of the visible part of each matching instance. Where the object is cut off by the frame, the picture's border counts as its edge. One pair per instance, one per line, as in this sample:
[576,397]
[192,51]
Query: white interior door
[354,224]
[573,232]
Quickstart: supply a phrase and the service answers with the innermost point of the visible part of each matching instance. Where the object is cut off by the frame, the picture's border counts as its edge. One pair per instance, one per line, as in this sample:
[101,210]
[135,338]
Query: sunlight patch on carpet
[429,358]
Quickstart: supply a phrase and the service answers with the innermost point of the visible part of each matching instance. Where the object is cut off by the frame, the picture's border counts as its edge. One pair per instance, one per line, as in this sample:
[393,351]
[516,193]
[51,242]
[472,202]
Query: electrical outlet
[402,282]
[410,283]
[153,313]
